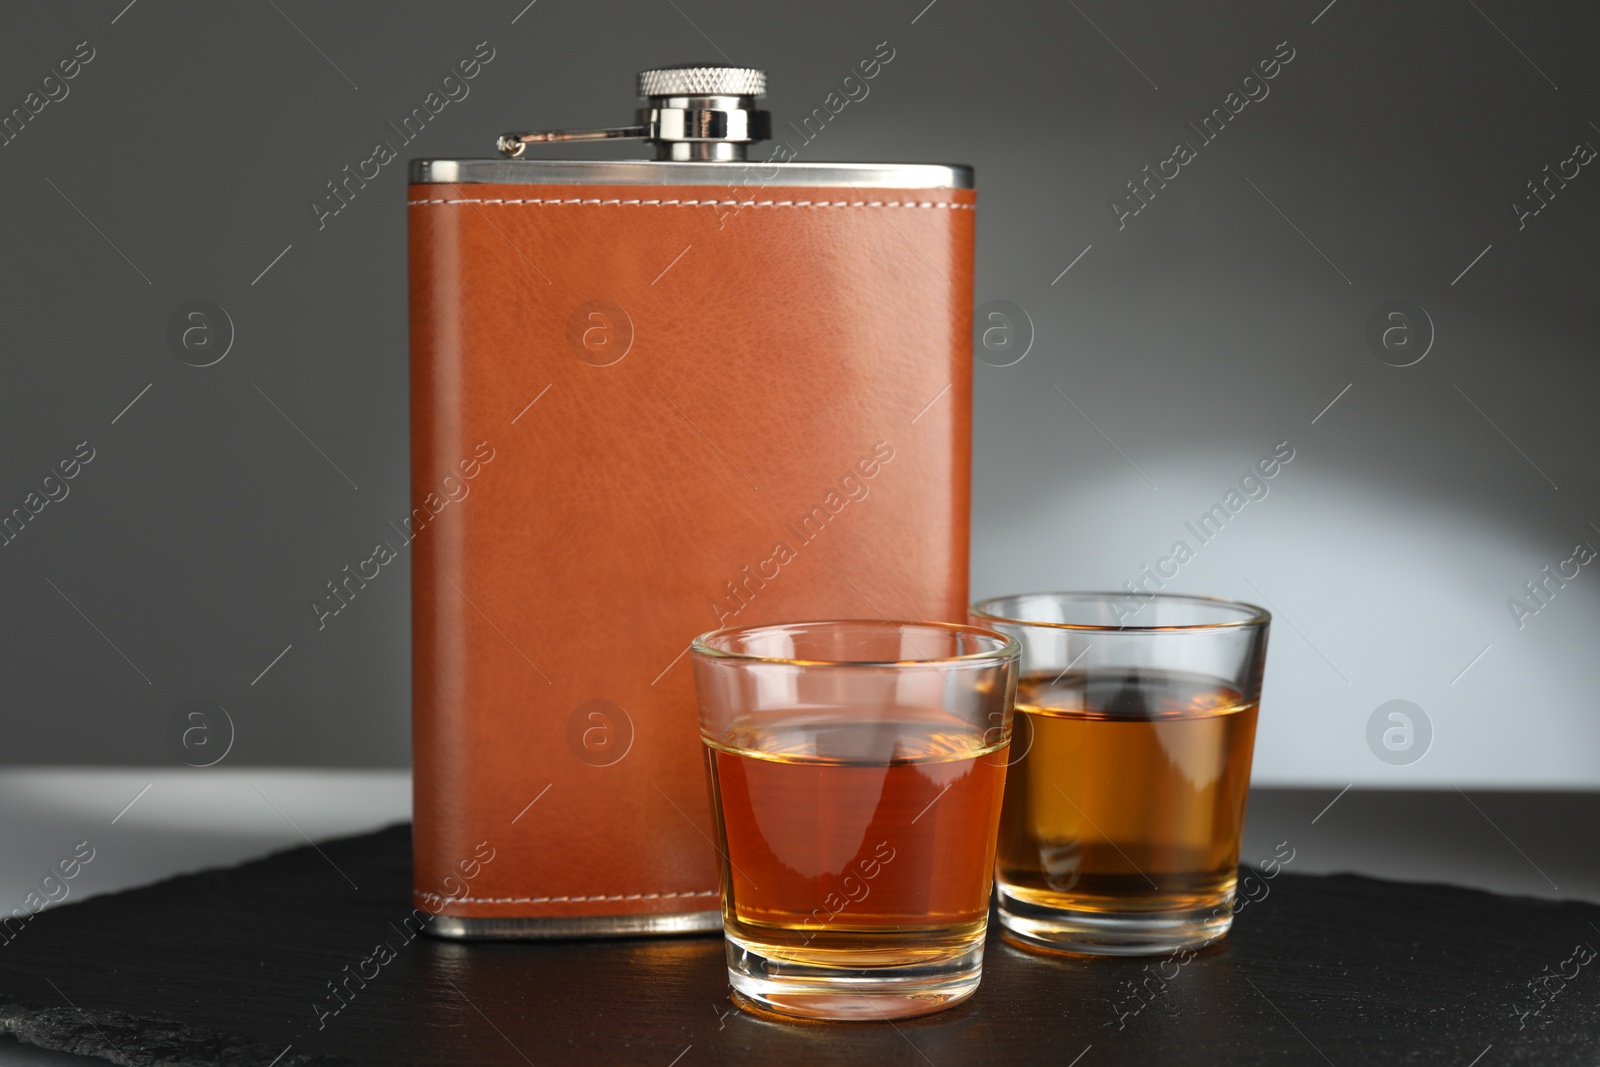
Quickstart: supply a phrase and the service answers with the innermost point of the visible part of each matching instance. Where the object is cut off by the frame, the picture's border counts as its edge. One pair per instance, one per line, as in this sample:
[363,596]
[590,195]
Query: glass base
[1098,933]
[865,994]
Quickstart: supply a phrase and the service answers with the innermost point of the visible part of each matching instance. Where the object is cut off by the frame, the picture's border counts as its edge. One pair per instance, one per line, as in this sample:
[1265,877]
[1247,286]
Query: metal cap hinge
[693,112]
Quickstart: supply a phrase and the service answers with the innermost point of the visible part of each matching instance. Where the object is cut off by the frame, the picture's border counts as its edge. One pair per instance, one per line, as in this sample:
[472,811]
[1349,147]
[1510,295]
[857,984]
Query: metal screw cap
[702,79]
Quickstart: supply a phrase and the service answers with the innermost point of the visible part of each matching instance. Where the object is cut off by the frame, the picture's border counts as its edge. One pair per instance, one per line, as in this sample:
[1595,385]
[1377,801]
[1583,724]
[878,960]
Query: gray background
[1207,330]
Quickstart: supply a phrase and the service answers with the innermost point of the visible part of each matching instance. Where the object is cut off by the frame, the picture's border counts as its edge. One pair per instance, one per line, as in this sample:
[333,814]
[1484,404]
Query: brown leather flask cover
[640,413]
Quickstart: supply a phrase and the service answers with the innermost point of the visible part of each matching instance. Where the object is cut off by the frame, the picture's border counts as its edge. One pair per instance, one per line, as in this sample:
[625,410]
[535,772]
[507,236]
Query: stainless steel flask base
[455,928]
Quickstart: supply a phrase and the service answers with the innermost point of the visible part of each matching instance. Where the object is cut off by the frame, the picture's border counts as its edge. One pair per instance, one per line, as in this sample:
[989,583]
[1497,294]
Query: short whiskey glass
[857,770]
[1125,799]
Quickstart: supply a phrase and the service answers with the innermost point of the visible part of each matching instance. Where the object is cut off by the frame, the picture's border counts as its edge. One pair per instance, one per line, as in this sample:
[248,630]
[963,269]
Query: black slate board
[226,966]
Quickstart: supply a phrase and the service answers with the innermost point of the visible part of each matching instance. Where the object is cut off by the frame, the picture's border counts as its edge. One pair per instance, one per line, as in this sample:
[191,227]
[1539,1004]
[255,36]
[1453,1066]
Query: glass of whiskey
[857,770]
[1124,801]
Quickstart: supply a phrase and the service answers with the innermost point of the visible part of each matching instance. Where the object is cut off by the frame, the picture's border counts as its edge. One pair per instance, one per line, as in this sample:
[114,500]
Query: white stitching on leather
[564,900]
[716,203]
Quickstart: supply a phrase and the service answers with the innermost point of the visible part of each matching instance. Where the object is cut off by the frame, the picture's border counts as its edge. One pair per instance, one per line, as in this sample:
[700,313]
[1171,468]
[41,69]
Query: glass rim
[1255,616]
[1010,648]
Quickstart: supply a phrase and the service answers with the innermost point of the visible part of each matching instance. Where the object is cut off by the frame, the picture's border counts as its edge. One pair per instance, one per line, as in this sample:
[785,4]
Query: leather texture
[786,437]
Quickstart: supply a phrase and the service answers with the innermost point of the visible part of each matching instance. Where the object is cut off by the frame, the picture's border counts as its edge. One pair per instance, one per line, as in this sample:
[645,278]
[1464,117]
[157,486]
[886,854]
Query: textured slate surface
[228,967]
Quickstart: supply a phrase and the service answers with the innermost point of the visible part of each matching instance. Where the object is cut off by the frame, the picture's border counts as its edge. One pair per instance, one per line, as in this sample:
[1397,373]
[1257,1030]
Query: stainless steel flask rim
[731,180]
[701,119]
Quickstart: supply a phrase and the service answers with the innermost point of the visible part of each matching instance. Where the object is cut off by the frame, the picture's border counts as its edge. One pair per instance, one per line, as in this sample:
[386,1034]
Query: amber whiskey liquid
[856,846]
[1124,806]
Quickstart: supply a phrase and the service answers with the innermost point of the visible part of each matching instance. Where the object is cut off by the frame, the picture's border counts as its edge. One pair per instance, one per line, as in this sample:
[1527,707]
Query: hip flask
[652,398]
